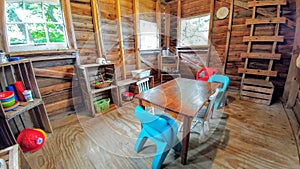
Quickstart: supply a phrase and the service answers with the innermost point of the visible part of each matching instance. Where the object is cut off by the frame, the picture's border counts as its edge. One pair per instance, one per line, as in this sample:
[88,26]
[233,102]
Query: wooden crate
[14,158]
[256,90]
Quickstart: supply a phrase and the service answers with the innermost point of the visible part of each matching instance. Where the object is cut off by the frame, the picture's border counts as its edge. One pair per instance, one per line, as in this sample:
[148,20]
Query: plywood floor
[245,135]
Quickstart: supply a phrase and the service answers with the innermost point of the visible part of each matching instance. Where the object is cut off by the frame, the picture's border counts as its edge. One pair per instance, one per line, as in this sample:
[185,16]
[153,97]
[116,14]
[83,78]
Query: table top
[181,96]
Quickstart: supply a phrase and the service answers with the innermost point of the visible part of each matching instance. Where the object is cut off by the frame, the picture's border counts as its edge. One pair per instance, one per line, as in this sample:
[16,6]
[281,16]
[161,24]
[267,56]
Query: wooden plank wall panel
[128,35]
[84,30]
[109,30]
[237,46]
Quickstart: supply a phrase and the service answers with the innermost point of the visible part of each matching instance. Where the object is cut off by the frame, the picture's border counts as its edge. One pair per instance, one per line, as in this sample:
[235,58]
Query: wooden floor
[245,135]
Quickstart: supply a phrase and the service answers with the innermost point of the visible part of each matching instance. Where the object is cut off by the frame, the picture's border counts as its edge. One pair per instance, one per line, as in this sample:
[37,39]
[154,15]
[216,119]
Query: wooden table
[184,97]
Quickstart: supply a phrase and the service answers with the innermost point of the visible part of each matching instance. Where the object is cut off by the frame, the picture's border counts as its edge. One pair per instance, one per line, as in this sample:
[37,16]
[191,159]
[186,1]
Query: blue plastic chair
[221,100]
[162,130]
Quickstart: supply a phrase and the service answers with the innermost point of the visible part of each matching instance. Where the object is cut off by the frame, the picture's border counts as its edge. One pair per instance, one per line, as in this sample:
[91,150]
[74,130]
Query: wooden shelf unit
[256,87]
[89,73]
[14,157]
[28,114]
[169,67]
[130,85]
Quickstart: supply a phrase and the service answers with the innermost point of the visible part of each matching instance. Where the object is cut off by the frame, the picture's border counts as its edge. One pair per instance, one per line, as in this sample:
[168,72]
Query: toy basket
[100,82]
[102,105]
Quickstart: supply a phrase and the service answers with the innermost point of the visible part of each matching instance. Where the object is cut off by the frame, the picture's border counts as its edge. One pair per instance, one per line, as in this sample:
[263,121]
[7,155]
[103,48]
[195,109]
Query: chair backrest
[221,99]
[151,120]
[220,79]
[211,103]
[143,85]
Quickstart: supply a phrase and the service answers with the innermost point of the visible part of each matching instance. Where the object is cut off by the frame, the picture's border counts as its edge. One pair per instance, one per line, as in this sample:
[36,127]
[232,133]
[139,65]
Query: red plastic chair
[205,73]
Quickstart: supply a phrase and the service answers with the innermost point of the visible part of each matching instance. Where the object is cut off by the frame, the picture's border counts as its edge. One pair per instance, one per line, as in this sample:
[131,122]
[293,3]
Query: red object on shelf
[31,140]
[6,95]
[20,89]
[205,73]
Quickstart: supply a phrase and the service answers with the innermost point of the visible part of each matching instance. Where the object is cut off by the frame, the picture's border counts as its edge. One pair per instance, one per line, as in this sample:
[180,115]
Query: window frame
[208,35]
[69,30]
[140,37]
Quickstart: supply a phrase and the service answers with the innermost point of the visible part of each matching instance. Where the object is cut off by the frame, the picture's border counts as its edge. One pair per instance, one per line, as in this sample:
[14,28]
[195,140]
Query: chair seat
[160,129]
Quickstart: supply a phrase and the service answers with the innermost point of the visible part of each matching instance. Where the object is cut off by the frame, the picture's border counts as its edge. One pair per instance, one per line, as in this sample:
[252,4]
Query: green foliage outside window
[194,31]
[34,23]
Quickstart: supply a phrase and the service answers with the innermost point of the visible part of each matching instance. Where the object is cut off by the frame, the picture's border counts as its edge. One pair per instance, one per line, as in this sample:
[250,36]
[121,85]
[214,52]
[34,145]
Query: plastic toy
[31,140]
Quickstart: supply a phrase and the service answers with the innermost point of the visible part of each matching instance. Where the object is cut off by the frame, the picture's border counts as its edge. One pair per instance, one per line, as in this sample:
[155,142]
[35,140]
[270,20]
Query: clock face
[222,13]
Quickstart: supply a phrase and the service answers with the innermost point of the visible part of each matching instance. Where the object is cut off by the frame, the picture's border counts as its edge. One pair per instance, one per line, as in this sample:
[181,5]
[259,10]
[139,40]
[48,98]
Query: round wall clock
[222,13]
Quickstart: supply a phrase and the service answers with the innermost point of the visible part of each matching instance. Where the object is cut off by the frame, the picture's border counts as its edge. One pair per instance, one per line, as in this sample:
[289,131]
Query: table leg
[141,104]
[185,138]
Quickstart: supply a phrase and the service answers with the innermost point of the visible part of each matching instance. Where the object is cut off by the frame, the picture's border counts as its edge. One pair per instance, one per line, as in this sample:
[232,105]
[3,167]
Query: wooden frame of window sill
[192,47]
[43,52]
[149,51]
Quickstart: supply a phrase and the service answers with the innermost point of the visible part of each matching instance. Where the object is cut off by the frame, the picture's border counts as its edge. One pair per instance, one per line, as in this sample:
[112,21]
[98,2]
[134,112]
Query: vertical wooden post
[136,8]
[178,23]
[97,28]
[292,83]
[228,35]
[211,24]
[69,24]
[3,34]
[167,26]
[118,13]
[158,20]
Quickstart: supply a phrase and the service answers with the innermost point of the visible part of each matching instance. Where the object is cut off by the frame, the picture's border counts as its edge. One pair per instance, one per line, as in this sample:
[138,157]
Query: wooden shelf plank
[111,107]
[258,82]
[256,95]
[23,107]
[257,89]
[266,20]
[94,91]
[263,38]
[266,3]
[261,56]
[258,72]
[256,100]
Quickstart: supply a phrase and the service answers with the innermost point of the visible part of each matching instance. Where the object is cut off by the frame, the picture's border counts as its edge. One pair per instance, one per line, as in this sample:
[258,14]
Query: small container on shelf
[27,95]
[102,105]
[127,96]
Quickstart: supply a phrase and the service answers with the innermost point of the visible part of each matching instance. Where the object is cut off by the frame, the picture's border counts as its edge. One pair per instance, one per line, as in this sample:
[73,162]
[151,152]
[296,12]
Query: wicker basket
[101,85]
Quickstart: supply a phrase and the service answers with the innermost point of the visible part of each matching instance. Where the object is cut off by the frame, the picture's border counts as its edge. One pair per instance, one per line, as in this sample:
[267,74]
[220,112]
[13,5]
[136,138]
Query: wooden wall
[84,30]
[231,61]
[239,29]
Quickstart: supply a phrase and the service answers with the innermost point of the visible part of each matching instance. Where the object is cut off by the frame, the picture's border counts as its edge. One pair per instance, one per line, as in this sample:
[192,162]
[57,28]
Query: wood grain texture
[245,136]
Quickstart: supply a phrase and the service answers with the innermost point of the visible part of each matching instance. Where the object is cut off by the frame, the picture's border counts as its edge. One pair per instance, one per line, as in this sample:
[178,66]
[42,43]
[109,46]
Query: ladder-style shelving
[28,114]
[255,84]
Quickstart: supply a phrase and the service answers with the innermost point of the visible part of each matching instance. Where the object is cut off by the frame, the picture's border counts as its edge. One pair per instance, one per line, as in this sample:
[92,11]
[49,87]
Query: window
[148,35]
[194,31]
[35,25]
